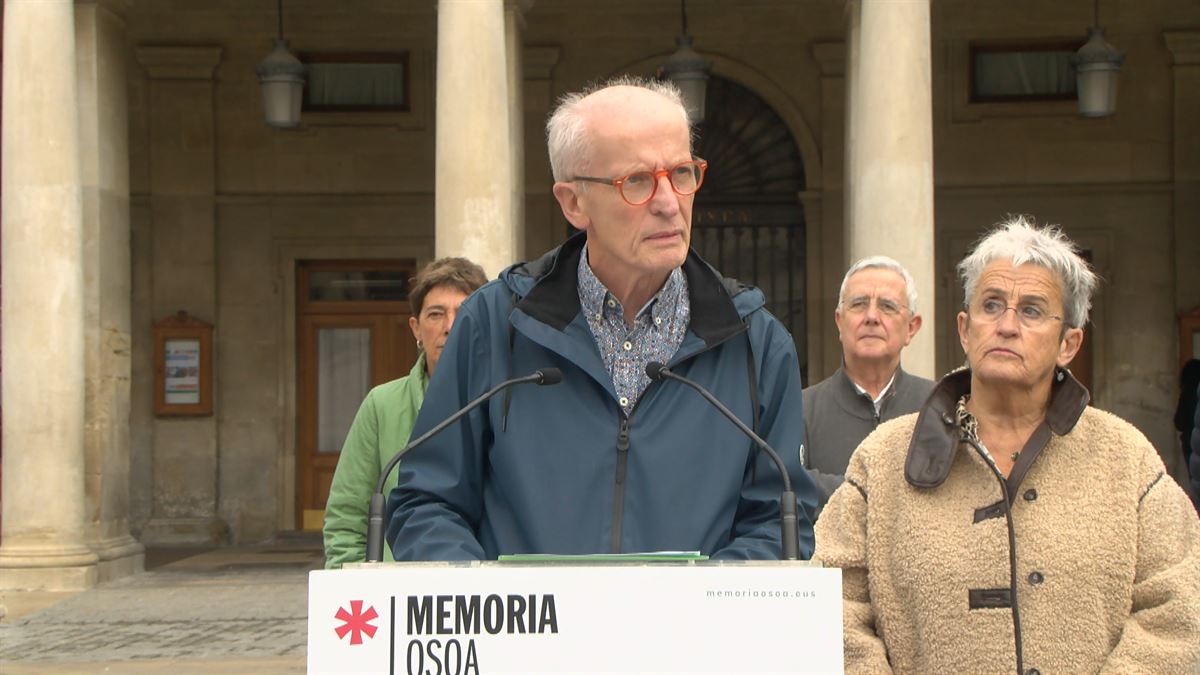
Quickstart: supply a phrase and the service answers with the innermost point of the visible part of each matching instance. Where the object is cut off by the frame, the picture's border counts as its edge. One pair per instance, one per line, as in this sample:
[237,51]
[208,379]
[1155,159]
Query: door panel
[343,377]
[344,348]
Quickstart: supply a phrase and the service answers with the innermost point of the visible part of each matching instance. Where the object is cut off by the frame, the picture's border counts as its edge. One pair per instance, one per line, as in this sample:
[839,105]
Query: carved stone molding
[179,63]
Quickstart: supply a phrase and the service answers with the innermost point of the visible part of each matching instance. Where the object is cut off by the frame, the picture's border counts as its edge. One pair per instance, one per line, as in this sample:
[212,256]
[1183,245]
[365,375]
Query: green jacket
[381,428]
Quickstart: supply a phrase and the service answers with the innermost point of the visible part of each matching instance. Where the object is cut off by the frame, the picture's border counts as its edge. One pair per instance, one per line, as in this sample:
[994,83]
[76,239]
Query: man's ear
[914,325]
[571,202]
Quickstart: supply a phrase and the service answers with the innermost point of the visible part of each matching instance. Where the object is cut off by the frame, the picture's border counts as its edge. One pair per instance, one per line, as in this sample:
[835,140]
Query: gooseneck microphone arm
[788,519]
[545,376]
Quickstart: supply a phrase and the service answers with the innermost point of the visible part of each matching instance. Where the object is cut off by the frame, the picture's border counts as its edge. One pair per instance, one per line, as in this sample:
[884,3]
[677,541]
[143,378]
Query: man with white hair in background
[876,318]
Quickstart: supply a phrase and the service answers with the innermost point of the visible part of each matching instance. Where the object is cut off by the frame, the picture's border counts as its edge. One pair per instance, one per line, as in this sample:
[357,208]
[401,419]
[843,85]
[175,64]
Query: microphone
[788,520]
[545,376]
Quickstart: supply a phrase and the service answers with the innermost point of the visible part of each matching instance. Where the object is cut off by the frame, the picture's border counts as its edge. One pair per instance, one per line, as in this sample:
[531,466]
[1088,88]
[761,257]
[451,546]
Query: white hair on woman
[566,133]
[1020,240]
[884,263]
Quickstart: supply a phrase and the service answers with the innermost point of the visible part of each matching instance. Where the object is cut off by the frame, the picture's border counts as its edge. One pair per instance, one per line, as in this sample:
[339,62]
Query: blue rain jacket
[561,469]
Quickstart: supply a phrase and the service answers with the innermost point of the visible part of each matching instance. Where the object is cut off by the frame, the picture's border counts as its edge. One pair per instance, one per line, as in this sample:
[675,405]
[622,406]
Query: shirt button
[1030,495]
[628,345]
[612,303]
[658,321]
[1036,578]
[624,401]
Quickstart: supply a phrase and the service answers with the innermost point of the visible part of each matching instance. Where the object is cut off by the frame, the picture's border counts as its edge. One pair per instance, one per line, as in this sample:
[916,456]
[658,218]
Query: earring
[1061,376]
[420,346]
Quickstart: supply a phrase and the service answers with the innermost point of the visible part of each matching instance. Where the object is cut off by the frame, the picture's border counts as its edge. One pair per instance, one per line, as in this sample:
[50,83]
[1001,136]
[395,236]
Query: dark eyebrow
[1025,299]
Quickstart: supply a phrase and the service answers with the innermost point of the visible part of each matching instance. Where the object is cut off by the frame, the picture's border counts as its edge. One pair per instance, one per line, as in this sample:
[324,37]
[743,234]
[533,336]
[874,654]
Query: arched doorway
[748,221]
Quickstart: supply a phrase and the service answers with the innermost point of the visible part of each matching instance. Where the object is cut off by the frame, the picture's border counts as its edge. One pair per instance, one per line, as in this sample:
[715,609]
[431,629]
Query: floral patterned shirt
[655,335]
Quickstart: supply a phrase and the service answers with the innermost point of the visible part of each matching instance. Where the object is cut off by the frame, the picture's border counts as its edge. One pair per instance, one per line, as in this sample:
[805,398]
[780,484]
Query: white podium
[526,618]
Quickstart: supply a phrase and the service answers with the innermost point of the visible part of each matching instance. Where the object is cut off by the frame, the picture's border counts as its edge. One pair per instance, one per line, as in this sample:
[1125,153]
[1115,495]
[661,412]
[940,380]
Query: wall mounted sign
[182,366]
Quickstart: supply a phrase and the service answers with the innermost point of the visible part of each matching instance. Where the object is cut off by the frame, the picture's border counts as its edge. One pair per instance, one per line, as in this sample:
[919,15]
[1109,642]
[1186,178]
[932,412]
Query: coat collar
[554,298]
[936,436]
[418,372]
[859,404]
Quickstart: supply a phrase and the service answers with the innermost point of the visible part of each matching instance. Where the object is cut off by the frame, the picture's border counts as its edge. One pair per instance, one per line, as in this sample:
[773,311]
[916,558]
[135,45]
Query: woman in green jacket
[385,418]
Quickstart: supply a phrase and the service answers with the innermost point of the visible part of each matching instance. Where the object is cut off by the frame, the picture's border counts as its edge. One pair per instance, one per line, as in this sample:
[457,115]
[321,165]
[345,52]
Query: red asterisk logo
[355,622]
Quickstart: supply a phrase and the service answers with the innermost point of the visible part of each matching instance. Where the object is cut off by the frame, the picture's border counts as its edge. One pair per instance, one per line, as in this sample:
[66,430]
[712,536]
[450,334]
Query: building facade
[139,181]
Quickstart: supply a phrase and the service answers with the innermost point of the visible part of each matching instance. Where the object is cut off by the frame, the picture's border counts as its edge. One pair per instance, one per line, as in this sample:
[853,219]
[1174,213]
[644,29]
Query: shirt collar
[883,393]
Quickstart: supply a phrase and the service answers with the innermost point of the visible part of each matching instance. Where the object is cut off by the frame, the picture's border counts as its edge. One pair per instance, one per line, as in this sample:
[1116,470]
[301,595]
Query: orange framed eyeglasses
[640,187]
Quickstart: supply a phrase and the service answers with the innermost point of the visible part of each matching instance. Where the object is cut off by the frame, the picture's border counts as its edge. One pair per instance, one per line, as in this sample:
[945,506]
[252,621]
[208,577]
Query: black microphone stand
[789,521]
[545,376]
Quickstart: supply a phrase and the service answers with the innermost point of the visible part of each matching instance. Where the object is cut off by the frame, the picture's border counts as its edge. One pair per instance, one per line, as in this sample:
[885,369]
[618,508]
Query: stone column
[542,212]
[514,25]
[828,251]
[183,215]
[43,493]
[1185,52]
[474,174]
[889,151]
[1185,55]
[104,134]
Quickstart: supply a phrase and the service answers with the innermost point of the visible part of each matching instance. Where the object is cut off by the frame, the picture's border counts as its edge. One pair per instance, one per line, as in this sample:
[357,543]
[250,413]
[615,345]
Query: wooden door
[352,334]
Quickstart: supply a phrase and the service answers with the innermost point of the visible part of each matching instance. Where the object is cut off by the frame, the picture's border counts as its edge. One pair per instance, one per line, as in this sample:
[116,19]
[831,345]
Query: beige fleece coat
[1107,575]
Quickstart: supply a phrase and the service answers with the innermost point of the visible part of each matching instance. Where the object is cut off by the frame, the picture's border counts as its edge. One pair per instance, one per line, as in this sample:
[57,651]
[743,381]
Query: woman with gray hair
[1007,525]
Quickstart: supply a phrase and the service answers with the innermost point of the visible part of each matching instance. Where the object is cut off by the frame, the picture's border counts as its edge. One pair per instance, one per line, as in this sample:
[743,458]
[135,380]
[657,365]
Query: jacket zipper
[619,487]
[623,447]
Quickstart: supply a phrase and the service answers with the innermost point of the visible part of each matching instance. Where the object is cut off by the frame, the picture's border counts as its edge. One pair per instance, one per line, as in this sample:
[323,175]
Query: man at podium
[608,461]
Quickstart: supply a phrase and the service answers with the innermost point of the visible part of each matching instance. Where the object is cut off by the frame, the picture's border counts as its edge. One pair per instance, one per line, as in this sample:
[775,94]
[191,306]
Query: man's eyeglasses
[640,187]
[861,303]
[990,310]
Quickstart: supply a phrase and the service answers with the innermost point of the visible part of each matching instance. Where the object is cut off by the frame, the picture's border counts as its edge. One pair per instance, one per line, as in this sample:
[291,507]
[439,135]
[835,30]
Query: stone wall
[353,186]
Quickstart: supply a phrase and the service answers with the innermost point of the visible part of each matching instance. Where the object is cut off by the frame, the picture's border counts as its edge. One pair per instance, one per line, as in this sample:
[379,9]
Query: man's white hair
[884,263]
[566,129]
[1019,239]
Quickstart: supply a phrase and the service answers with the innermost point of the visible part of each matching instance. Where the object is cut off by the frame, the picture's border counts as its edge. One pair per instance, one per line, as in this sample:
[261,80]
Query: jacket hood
[548,290]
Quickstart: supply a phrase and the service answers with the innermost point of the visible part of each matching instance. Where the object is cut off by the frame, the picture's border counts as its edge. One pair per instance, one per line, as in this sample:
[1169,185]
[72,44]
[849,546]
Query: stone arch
[765,88]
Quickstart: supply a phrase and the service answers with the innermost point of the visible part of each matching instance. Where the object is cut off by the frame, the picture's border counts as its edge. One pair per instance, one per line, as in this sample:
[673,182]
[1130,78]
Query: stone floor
[228,610]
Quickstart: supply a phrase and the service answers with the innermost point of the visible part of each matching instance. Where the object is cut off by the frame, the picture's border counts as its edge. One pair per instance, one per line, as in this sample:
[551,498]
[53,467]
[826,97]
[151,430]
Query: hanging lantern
[1097,65]
[281,76]
[688,71]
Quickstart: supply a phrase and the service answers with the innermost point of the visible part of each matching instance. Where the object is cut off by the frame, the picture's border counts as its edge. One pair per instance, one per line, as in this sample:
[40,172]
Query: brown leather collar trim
[1033,447]
[936,436]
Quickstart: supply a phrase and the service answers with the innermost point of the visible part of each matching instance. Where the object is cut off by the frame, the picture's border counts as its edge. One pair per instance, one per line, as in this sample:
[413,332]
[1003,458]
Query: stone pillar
[828,250]
[43,537]
[543,211]
[183,214]
[1185,52]
[889,151]
[1185,55]
[104,134]
[514,25]
[474,173]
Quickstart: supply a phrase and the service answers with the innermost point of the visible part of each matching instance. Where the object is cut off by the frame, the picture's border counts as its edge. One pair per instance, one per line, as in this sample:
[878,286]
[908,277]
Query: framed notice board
[182,366]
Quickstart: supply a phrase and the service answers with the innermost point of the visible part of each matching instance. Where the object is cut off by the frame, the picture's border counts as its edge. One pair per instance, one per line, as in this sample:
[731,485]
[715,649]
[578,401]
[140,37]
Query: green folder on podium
[649,556]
